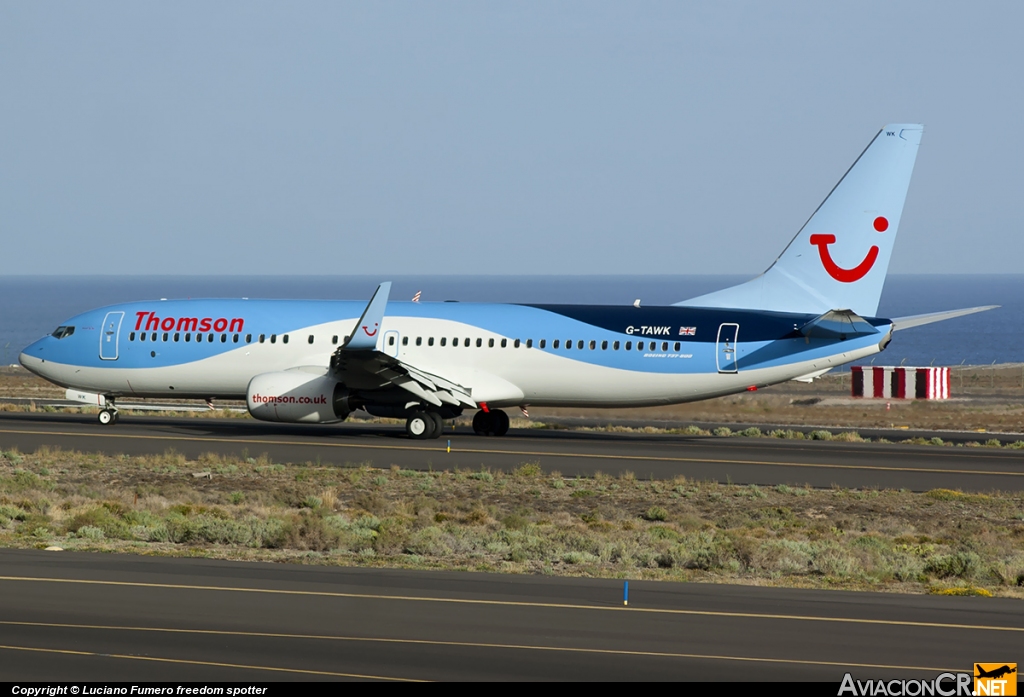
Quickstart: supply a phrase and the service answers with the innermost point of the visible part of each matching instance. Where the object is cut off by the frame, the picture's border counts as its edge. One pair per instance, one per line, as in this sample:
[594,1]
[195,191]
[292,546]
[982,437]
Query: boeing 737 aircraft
[317,361]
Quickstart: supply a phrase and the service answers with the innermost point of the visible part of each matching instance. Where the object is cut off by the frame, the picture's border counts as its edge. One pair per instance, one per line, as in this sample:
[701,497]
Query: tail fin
[839,258]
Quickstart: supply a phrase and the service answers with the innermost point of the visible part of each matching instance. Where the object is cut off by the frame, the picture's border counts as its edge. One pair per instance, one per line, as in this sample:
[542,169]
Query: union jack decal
[687,331]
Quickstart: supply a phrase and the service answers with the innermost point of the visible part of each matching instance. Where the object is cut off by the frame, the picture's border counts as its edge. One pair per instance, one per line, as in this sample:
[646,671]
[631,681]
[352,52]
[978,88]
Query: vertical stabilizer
[839,259]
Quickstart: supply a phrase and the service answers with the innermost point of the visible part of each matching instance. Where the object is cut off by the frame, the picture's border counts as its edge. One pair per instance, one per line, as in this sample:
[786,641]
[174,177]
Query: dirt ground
[989,398]
[524,521]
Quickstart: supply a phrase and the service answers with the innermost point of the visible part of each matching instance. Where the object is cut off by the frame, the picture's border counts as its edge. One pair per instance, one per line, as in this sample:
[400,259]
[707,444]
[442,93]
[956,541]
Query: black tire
[420,426]
[106,417]
[483,423]
[500,420]
[438,424]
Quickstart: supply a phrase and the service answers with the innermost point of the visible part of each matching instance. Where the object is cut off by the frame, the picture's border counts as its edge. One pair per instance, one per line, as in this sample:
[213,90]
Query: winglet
[367,330]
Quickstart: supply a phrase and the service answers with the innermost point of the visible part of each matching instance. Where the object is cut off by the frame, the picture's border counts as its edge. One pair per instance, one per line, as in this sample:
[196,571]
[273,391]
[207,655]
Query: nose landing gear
[107,417]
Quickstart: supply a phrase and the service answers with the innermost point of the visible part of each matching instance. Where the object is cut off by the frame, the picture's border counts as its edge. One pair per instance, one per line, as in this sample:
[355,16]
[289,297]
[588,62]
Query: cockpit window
[62,332]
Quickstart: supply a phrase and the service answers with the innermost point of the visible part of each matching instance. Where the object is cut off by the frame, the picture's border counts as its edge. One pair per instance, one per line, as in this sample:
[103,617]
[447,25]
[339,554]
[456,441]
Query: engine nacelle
[294,396]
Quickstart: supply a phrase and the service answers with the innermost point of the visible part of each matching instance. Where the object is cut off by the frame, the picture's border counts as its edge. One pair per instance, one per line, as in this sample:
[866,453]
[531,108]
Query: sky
[493,138]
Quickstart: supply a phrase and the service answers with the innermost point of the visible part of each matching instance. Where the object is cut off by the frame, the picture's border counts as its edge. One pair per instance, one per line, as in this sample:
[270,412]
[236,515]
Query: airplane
[303,361]
[995,673]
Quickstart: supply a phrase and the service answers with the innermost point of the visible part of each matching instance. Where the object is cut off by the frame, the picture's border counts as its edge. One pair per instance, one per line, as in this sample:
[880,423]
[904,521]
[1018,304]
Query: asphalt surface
[760,461]
[95,617]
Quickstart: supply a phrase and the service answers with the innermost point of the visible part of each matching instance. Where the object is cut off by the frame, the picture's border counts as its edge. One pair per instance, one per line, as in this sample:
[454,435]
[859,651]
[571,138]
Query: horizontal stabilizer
[837,324]
[918,320]
[367,330]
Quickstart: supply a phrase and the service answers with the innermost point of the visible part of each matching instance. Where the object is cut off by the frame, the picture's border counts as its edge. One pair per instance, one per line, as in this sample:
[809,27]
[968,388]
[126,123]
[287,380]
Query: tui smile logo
[838,272]
[367,329]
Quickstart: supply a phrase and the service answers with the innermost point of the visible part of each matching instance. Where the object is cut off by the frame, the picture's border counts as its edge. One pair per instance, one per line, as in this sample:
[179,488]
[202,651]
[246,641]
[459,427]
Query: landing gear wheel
[420,425]
[107,417]
[483,423]
[500,422]
[438,423]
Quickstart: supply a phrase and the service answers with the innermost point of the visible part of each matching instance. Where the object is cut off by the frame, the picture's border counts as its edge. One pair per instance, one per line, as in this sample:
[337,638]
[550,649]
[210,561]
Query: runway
[760,461]
[99,617]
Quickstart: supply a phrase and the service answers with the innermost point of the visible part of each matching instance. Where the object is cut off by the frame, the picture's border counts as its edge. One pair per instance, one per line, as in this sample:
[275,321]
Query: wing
[361,366]
[371,370]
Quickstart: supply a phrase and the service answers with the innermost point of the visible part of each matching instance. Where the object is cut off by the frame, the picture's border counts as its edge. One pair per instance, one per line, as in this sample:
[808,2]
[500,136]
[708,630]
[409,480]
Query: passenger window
[209,337]
[131,337]
[465,342]
[188,337]
[639,346]
[177,336]
[391,340]
[334,339]
[504,343]
[490,343]
[629,345]
[199,338]
[543,342]
[285,339]
[479,343]
[153,336]
[515,344]
[554,344]
[311,338]
[223,338]
[529,343]
[444,340]
[568,344]
[142,336]
[604,345]
[248,338]
[234,339]
[263,338]
[165,336]
[405,341]
[419,341]
[579,344]
[273,338]
[430,341]
[615,345]
[593,344]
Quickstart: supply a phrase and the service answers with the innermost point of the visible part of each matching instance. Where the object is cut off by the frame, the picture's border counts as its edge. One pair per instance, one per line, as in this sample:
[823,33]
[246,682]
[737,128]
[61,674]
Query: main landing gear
[107,417]
[422,425]
[490,423]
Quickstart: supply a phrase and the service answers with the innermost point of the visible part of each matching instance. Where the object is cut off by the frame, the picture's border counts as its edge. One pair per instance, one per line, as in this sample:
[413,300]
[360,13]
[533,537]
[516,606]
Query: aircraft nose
[32,357]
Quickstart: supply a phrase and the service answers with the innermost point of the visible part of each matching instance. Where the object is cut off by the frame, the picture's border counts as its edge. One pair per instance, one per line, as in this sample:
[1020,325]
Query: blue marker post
[449,445]
[625,593]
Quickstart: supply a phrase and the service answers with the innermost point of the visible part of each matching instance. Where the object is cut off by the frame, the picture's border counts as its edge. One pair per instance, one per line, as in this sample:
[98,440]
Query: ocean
[32,306]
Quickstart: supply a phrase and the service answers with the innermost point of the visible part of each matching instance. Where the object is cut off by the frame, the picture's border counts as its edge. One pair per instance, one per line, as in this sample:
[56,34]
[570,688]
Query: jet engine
[295,396]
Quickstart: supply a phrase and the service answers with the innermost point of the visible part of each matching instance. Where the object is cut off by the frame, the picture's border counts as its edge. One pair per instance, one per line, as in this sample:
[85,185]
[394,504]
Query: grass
[525,521]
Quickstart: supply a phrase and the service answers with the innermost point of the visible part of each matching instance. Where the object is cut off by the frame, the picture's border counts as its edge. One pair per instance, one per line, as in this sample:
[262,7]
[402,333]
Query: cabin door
[725,355]
[109,333]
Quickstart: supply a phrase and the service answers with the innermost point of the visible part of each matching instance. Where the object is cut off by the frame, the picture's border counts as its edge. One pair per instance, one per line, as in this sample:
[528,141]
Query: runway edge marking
[474,644]
[515,603]
[214,664]
[535,453]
